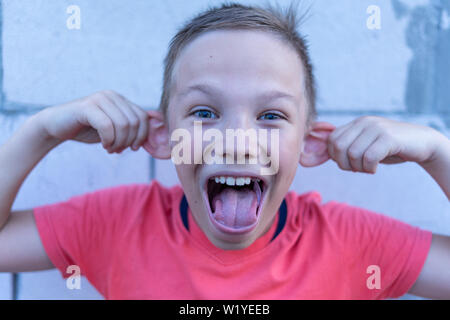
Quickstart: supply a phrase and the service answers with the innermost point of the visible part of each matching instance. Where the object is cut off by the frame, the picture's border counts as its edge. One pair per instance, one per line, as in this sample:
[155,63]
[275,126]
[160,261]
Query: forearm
[18,156]
[439,166]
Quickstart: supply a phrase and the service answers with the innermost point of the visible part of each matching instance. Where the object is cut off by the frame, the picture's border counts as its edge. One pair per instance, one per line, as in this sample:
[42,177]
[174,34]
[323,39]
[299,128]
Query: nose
[241,140]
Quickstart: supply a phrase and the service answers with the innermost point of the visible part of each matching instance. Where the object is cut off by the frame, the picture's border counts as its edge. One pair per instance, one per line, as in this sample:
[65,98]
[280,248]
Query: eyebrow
[214,92]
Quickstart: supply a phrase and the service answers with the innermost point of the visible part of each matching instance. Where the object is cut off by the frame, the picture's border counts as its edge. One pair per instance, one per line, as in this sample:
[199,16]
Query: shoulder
[351,239]
[115,203]
[340,218]
[126,193]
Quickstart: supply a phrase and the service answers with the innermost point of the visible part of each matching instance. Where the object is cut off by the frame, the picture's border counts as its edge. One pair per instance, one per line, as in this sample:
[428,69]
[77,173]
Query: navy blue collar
[282,212]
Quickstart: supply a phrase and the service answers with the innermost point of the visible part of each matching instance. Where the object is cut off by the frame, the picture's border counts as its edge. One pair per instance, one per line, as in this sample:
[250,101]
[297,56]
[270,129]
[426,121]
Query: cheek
[290,148]
[182,146]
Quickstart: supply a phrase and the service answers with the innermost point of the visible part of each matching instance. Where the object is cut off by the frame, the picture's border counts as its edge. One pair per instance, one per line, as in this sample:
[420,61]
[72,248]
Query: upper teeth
[231,181]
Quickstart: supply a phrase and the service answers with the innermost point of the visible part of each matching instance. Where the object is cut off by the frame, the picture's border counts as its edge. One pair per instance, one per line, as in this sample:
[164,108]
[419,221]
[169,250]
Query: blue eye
[270,116]
[204,114]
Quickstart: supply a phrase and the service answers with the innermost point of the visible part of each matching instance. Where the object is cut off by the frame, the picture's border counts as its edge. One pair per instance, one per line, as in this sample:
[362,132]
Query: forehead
[239,60]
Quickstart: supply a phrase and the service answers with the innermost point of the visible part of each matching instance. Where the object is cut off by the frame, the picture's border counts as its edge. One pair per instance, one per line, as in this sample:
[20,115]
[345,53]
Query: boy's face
[238,79]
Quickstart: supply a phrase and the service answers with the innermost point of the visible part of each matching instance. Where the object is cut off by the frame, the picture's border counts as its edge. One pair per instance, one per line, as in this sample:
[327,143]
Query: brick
[357,68]
[120,46]
[5,286]
[49,285]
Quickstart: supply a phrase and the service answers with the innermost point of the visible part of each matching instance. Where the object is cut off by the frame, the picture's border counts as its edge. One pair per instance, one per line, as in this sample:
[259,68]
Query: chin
[231,244]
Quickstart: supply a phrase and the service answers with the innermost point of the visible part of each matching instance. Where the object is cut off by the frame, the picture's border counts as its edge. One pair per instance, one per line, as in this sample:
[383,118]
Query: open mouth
[234,202]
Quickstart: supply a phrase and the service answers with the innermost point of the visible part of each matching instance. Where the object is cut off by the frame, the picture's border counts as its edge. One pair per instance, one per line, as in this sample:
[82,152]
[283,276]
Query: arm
[434,279]
[19,240]
[104,117]
[438,167]
[18,156]
[362,144]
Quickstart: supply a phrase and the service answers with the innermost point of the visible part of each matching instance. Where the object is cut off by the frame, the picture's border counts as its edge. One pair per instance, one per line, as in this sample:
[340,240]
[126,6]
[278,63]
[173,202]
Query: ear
[315,149]
[157,143]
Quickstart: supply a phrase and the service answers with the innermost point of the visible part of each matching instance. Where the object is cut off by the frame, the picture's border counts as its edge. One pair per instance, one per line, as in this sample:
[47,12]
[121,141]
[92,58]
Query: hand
[363,143]
[104,117]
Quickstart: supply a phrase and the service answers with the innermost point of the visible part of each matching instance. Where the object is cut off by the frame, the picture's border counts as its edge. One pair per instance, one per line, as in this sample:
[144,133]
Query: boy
[229,232]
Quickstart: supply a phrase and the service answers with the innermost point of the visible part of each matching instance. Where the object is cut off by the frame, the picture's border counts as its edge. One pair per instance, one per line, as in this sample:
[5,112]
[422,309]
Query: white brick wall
[5,286]
[56,64]
[120,46]
[357,58]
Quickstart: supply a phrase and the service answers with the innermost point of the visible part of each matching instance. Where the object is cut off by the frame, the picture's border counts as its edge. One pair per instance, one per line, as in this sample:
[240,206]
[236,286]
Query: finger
[120,122]
[142,115]
[338,131]
[333,137]
[131,115]
[343,143]
[359,146]
[142,134]
[99,120]
[376,152]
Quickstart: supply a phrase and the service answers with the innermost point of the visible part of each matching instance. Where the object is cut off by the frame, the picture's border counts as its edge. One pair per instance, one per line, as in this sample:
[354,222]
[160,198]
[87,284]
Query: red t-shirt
[131,242]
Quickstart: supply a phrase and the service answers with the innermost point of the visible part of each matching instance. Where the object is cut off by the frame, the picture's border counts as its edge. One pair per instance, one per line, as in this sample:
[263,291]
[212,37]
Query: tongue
[235,208]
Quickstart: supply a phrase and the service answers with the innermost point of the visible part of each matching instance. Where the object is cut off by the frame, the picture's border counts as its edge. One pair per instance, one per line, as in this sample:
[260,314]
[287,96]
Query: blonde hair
[234,16]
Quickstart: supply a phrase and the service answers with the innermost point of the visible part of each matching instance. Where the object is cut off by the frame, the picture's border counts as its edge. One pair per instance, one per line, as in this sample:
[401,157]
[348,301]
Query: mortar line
[433,66]
[152,168]
[30,110]
[440,9]
[15,286]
